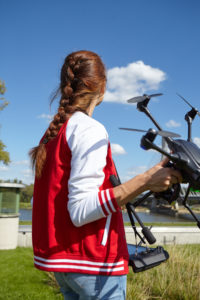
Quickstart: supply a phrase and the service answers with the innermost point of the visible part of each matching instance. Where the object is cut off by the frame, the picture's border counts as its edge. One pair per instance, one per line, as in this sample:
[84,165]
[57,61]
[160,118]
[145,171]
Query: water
[26,215]
[160,218]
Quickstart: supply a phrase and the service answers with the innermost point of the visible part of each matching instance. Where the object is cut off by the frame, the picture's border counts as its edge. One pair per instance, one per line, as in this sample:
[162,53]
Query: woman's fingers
[176,176]
[162,178]
[163,162]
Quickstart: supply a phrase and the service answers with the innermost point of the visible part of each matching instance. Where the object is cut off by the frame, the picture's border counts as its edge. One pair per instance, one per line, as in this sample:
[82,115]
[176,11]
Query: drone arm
[189,130]
[141,107]
[140,200]
[146,144]
[189,117]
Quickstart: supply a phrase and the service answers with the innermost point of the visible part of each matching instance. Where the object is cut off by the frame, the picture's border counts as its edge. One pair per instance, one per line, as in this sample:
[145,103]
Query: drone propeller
[142,98]
[198,113]
[159,132]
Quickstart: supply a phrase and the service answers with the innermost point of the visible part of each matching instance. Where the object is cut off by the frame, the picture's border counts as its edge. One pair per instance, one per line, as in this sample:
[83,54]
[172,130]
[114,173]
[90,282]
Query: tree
[2,92]
[4,155]
[26,193]
[11,181]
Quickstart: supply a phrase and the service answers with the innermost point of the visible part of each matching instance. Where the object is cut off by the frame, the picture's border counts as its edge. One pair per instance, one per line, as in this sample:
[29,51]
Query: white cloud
[45,116]
[172,123]
[28,176]
[137,170]
[20,163]
[4,168]
[117,149]
[133,80]
[132,172]
[27,172]
[197,141]
[125,178]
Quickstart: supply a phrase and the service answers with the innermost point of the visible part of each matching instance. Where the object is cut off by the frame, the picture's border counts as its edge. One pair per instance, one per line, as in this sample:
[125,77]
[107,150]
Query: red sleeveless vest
[58,245]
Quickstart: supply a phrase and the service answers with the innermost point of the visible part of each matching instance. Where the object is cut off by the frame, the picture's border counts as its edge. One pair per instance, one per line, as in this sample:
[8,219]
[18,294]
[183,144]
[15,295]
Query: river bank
[145,214]
[25,205]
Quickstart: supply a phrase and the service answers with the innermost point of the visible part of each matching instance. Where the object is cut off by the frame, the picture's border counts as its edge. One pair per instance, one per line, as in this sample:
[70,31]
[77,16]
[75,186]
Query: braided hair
[82,79]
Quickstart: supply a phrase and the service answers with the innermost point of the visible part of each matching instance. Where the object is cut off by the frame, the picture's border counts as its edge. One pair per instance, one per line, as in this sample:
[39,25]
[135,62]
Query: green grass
[167,224]
[25,222]
[20,280]
[146,224]
[25,205]
[176,279]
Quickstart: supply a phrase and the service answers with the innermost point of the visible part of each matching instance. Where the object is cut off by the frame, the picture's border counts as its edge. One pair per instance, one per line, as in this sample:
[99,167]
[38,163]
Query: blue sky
[147,46]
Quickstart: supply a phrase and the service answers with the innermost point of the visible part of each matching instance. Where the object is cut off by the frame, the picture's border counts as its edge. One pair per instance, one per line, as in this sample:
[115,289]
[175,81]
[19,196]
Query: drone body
[184,155]
[188,161]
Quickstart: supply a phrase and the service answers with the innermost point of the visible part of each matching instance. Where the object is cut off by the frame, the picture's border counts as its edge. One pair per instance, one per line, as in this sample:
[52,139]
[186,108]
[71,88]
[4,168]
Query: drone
[184,156]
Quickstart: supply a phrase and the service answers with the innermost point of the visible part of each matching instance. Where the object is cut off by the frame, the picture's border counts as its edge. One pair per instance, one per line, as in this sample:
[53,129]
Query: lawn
[177,279]
[167,224]
[20,280]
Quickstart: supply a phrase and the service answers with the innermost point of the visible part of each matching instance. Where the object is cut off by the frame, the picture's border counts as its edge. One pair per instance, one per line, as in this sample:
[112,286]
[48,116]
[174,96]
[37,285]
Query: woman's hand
[157,179]
[161,178]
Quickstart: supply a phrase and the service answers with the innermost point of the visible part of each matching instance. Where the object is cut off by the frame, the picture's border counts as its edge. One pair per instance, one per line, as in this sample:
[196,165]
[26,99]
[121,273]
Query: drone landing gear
[147,234]
[142,258]
[188,208]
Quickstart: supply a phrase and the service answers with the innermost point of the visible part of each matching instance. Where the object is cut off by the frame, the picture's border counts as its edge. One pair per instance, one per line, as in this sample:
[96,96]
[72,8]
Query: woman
[78,230]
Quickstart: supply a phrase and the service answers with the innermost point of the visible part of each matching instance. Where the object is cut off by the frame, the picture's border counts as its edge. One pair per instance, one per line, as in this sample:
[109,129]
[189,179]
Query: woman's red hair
[82,79]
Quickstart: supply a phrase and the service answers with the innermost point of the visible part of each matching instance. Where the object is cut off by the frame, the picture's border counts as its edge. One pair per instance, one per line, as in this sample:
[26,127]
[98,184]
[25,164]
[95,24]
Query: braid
[65,104]
[81,78]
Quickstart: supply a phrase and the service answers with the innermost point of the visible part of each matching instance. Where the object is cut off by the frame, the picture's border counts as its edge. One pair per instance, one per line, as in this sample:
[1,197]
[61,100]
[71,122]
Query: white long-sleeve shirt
[88,142]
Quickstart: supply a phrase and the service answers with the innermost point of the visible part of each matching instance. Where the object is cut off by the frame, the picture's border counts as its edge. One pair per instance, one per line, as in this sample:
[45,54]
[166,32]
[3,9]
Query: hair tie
[45,141]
